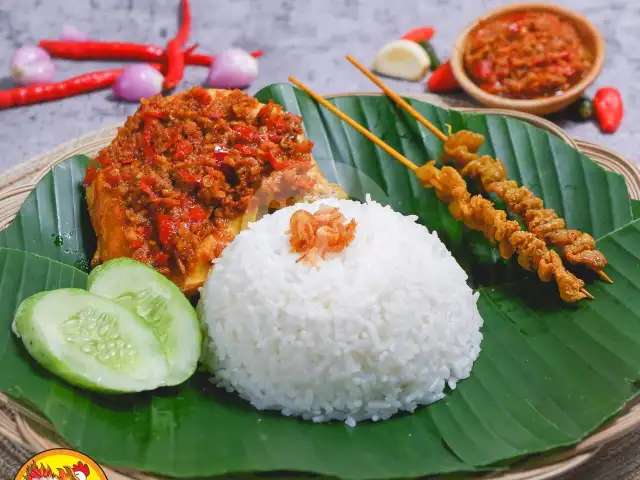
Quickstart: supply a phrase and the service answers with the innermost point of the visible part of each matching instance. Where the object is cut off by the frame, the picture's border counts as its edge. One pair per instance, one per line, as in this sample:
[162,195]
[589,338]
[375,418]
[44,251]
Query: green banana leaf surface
[548,374]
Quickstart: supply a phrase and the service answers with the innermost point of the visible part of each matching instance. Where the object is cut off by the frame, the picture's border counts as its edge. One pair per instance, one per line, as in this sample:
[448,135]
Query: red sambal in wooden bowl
[536,58]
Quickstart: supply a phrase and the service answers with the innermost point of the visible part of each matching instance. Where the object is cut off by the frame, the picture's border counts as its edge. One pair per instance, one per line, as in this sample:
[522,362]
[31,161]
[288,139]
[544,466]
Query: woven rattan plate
[31,431]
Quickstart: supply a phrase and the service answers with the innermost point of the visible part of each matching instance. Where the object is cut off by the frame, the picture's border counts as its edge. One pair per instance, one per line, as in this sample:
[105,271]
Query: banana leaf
[548,374]
[635,208]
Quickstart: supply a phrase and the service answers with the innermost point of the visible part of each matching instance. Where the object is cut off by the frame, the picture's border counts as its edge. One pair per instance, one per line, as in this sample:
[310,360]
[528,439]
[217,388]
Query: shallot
[138,81]
[73,34]
[233,68]
[32,65]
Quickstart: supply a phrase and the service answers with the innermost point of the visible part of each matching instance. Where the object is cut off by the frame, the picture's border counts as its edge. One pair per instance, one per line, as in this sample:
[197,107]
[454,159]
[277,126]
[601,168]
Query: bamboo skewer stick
[398,99]
[604,276]
[395,154]
[418,116]
[373,138]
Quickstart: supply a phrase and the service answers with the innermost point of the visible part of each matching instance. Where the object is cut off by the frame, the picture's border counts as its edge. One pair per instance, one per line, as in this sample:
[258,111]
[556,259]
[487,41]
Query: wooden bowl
[537,106]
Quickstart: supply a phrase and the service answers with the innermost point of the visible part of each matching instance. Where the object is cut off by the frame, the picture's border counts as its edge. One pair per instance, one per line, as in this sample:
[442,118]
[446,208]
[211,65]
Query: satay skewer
[478,213]
[398,99]
[556,240]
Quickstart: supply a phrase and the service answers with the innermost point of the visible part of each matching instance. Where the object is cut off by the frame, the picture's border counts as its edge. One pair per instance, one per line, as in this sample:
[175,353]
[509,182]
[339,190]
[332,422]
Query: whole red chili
[94,50]
[101,50]
[420,34]
[175,58]
[609,108]
[442,79]
[66,88]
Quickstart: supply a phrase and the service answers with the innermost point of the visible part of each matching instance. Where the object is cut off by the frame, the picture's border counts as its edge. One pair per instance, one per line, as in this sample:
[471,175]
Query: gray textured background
[305,38]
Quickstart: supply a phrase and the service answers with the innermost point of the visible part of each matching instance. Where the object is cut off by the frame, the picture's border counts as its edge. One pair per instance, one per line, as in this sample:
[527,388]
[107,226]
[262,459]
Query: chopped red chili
[245,132]
[91,174]
[137,243]
[146,184]
[245,149]
[166,228]
[162,258]
[197,213]
[277,164]
[183,148]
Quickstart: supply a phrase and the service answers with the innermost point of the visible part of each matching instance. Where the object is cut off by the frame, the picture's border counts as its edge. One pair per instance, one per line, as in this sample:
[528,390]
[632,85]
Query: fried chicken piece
[187,173]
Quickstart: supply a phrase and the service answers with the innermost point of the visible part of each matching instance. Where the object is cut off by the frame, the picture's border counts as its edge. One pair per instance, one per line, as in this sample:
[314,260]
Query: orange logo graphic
[60,464]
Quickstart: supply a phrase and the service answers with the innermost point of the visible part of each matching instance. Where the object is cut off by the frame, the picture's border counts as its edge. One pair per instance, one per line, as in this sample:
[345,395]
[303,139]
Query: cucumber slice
[90,341]
[160,302]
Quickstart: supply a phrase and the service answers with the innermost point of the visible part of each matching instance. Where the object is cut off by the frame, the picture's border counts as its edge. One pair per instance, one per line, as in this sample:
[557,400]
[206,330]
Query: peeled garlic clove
[402,59]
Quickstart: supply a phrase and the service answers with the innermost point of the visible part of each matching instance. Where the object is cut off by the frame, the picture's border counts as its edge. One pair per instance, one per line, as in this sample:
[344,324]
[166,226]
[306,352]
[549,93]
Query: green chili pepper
[582,109]
[433,57]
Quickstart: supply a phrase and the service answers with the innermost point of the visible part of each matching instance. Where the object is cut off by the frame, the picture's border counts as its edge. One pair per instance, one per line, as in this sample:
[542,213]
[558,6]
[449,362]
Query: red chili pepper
[482,69]
[104,160]
[137,243]
[166,228]
[145,186]
[279,125]
[197,213]
[609,108]
[175,58]
[420,34]
[162,258]
[244,132]
[152,114]
[206,60]
[91,174]
[275,163]
[442,79]
[113,178]
[183,148]
[187,177]
[66,88]
[274,137]
[94,50]
[245,149]
[149,152]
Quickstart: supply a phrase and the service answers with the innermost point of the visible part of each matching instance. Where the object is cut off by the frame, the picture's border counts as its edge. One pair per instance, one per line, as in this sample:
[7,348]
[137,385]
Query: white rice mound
[379,328]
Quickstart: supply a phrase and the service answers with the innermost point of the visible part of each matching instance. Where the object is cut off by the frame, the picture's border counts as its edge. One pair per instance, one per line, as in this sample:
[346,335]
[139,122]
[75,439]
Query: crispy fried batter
[478,213]
[577,247]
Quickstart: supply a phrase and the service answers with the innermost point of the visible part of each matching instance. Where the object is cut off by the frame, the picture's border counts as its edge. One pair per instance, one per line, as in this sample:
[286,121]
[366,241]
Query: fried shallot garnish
[316,235]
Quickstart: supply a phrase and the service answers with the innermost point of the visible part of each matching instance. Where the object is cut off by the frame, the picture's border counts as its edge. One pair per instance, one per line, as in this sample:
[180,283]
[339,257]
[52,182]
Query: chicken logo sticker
[60,464]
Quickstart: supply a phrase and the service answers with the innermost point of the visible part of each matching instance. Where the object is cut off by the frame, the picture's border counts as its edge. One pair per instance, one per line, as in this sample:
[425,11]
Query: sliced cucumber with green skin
[91,341]
[160,302]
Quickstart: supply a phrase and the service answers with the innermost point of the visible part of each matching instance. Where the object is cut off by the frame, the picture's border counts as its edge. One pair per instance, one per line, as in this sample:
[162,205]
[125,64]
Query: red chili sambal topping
[185,166]
[316,235]
[526,55]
